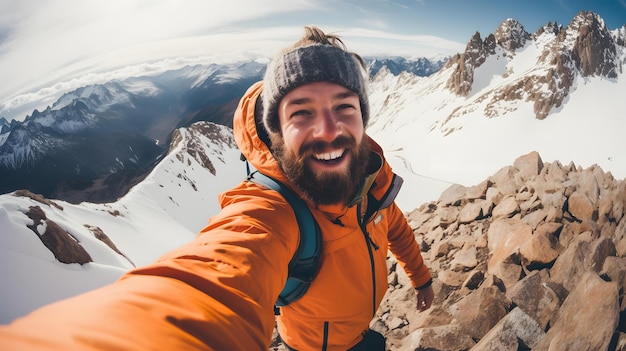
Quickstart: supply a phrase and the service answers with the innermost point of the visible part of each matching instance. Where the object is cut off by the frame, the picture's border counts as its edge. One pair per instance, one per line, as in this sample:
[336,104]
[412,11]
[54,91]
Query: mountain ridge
[138,113]
[565,217]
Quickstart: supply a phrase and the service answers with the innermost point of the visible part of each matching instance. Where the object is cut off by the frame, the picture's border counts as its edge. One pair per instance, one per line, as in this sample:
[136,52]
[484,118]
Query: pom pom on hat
[309,64]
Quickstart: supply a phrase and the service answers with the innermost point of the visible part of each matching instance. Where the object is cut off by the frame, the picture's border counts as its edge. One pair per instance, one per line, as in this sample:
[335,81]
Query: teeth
[329,155]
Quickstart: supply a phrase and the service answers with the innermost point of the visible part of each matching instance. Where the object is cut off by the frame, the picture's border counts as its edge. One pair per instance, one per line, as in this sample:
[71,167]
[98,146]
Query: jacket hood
[247,129]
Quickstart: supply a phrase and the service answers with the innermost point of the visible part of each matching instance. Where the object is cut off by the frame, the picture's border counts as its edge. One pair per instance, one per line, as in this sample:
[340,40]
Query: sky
[409,121]
[48,47]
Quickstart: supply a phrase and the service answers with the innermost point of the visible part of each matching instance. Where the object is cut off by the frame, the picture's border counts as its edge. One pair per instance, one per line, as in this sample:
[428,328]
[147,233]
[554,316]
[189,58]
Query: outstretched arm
[215,293]
[406,250]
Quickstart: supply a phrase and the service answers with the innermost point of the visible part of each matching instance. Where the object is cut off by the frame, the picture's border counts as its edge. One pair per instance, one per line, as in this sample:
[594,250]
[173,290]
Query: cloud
[46,38]
[48,47]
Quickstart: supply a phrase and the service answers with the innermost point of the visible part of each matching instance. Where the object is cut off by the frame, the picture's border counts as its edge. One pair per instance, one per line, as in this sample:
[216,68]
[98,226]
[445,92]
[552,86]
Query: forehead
[318,89]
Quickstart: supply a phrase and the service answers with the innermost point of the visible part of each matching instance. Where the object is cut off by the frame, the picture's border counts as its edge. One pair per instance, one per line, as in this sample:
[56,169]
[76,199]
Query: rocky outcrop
[464,64]
[584,48]
[594,47]
[511,35]
[64,247]
[531,258]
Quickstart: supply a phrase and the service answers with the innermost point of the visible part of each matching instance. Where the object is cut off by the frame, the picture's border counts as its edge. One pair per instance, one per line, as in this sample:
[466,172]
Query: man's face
[322,149]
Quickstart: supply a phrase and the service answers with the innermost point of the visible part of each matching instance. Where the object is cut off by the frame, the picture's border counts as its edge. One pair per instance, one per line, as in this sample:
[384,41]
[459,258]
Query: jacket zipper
[370,243]
[325,341]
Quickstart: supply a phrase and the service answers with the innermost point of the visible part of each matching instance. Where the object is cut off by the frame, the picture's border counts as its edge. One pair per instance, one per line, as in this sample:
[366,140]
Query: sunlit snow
[431,137]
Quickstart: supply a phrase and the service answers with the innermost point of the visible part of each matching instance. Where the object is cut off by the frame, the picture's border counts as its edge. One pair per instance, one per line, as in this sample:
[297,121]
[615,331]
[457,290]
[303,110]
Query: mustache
[319,146]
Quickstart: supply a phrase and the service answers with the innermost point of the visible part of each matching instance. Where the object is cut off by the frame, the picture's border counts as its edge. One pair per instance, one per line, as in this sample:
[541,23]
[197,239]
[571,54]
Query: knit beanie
[309,64]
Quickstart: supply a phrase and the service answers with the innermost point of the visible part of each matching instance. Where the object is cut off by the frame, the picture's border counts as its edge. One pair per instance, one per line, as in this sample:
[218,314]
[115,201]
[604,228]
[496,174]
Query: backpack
[304,264]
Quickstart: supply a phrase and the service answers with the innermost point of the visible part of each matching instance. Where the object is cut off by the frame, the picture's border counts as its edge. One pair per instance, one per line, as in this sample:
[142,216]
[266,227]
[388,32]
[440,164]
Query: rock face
[548,267]
[583,48]
[533,258]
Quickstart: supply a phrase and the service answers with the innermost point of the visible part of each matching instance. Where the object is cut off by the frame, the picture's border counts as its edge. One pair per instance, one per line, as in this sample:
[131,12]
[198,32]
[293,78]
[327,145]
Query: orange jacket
[218,291]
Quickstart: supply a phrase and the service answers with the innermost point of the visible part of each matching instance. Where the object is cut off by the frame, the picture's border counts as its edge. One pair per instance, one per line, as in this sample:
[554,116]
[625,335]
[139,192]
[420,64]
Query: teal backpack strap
[304,265]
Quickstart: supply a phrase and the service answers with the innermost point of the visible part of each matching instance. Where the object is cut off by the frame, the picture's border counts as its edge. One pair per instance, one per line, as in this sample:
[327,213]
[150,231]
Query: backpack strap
[304,264]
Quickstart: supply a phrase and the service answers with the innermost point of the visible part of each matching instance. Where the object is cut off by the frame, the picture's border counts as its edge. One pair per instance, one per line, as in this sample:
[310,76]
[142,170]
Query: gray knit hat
[309,64]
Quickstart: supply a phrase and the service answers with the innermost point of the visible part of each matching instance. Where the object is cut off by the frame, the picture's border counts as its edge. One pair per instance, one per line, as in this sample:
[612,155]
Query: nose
[327,126]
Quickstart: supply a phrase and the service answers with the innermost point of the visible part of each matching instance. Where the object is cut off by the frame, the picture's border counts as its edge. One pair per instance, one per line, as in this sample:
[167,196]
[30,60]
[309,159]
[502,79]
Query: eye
[302,113]
[345,106]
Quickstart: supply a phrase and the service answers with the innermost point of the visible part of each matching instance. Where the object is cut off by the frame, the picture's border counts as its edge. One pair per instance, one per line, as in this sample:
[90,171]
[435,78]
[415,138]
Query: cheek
[292,139]
[357,130]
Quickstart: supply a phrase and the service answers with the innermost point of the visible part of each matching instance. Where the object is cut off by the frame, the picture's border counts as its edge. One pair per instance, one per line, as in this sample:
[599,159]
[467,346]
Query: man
[218,292]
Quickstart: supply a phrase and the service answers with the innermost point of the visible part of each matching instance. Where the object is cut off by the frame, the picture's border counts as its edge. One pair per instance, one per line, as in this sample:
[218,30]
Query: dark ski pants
[372,341]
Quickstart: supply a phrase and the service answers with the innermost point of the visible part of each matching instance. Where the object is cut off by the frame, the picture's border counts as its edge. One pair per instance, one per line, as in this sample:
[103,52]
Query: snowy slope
[163,212]
[433,137]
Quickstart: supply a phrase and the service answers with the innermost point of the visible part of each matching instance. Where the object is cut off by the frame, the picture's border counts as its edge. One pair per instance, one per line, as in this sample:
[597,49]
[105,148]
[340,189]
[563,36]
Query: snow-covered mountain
[113,133]
[51,249]
[558,91]
[421,67]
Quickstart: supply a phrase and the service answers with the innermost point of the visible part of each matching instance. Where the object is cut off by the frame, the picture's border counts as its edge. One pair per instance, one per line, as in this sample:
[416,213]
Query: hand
[425,298]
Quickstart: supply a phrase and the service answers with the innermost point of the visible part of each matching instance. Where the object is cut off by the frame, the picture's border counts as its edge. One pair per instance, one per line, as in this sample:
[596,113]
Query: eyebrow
[339,96]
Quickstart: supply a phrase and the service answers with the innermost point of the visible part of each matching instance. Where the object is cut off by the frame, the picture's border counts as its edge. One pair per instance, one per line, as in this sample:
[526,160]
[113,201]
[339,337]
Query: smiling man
[315,109]
[304,126]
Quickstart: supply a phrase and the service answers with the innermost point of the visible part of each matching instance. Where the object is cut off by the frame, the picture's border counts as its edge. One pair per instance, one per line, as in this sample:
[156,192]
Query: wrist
[428,283]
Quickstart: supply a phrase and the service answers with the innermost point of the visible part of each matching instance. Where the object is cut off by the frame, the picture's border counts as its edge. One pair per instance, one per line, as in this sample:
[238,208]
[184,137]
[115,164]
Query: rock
[572,264]
[550,192]
[581,207]
[473,280]
[509,271]
[614,269]
[502,181]
[540,250]
[506,208]
[533,296]
[452,278]
[446,337]
[464,260]
[515,328]
[600,251]
[471,212]
[440,248]
[480,311]
[493,196]
[529,165]
[453,195]
[477,191]
[504,238]
[587,319]
[64,247]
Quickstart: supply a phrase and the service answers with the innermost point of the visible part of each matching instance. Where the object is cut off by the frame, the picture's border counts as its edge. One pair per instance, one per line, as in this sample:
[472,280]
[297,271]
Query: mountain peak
[593,48]
[4,125]
[511,35]
[559,55]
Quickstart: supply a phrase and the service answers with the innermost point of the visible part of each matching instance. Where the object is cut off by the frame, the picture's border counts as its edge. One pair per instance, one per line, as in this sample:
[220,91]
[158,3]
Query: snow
[431,137]
[432,145]
[107,95]
[161,213]
[3,138]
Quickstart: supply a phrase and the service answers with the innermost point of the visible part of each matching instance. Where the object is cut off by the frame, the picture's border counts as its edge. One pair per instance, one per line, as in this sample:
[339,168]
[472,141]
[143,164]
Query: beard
[328,187]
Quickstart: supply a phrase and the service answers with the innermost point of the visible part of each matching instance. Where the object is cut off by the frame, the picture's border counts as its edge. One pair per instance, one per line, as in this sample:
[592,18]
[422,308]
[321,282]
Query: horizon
[97,42]
[411,122]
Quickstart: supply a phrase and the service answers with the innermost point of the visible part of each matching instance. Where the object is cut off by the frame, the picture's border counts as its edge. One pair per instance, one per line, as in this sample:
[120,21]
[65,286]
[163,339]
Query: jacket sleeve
[404,247]
[215,293]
